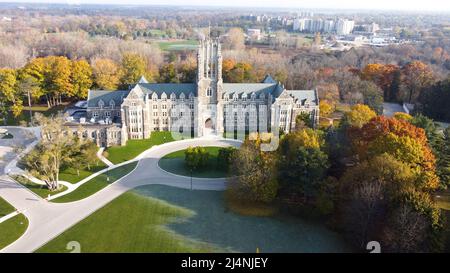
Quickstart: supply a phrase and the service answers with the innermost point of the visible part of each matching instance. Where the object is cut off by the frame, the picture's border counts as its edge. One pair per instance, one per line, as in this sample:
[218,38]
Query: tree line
[372,178]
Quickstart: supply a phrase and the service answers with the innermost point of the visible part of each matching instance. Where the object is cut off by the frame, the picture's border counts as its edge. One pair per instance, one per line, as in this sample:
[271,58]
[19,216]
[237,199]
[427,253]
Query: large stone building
[207,107]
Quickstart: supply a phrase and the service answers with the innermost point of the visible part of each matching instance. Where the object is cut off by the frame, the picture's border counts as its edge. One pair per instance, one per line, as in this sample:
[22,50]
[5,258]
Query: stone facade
[205,107]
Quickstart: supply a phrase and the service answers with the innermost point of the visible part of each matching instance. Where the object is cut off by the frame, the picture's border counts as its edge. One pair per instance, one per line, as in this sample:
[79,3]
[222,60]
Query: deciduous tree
[133,67]
[400,139]
[81,78]
[107,74]
[55,148]
[416,76]
[359,115]
[255,178]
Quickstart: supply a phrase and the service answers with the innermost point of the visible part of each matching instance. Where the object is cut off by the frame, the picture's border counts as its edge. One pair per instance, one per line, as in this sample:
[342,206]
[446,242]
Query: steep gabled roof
[269,79]
[249,88]
[169,88]
[94,96]
[302,95]
[142,80]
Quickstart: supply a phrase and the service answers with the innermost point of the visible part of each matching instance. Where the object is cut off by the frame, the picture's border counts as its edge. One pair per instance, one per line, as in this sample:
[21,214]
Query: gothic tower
[209,86]
[209,70]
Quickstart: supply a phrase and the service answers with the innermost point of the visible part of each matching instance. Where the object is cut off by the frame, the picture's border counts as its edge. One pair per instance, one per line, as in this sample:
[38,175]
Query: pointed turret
[268,79]
[142,80]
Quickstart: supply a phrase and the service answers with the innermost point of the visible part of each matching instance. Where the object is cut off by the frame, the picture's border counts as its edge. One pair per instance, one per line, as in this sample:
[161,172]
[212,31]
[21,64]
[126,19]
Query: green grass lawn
[175,163]
[71,175]
[5,208]
[157,218]
[443,202]
[130,223]
[178,45]
[12,229]
[25,114]
[97,183]
[40,190]
[118,154]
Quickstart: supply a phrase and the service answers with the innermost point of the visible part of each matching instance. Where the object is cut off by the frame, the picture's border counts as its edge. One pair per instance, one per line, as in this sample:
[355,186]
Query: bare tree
[234,39]
[406,230]
[55,148]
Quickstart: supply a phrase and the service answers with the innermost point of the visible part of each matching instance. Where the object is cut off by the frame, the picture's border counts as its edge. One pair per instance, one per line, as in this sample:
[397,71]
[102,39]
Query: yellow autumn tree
[10,99]
[326,108]
[403,116]
[106,73]
[81,78]
[359,115]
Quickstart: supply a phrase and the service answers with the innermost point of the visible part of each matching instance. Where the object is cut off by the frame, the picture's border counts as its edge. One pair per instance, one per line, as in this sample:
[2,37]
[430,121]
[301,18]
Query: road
[47,220]
[389,109]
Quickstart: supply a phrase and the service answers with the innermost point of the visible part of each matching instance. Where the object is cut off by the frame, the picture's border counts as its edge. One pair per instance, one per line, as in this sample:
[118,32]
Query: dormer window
[244,97]
[154,97]
[173,97]
[112,103]
[253,96]
[101,103]
[235,97]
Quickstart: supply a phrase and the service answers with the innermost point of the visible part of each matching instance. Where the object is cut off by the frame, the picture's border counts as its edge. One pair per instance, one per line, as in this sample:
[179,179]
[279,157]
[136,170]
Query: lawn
[71,175]
[178,45]
[134,147]
[174,163]
[25,114]
[40,190]
[5,208]
[442,200]
[130,223]
[12,229]
[157,218]
[97,183]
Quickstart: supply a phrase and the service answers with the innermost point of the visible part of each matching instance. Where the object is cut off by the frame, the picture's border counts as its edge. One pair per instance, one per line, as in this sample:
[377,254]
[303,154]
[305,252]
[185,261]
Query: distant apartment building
[341,27]
[329,26]
[254,34]
[373,28]
[344,26]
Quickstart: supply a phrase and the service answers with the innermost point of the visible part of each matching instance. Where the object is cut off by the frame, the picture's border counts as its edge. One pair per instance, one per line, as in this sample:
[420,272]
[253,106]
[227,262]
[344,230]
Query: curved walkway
[47,220]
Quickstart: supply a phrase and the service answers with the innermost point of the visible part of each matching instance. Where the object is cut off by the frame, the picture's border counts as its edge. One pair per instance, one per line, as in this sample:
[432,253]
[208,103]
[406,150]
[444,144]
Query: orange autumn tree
[403,141]
[416,76]
[381,75]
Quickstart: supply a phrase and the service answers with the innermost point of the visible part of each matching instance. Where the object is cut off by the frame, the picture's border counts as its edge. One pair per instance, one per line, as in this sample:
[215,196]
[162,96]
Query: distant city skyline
[407,5]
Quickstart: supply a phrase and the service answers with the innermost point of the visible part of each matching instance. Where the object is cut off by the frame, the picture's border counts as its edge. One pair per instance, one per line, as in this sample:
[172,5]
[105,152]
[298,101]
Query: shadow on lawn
[225,229]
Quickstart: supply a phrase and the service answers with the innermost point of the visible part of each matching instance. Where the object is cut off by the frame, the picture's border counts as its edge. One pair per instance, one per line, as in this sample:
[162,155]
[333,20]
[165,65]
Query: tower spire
[209,30]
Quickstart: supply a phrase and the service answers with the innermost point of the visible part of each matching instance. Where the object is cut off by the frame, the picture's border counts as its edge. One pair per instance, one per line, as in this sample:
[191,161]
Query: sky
[417,5]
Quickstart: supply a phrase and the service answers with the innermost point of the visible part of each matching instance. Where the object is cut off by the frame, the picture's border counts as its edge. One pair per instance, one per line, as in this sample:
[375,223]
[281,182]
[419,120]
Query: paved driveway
[389,109]
[47,220]
[10,147]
